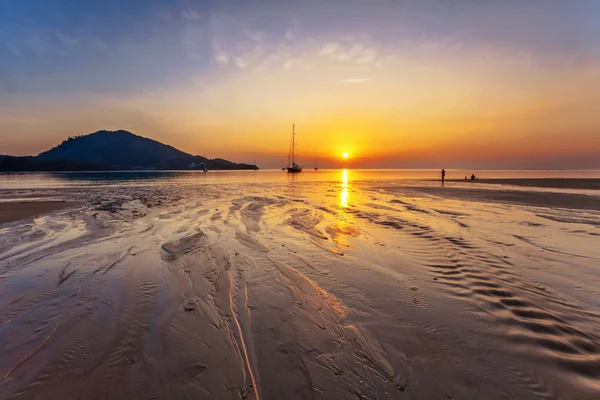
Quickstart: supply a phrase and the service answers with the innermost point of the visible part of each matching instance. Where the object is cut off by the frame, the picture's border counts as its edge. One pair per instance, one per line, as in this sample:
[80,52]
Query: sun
[345,154]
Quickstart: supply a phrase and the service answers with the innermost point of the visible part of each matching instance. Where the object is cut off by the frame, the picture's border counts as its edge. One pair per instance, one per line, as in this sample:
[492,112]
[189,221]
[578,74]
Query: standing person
[443,175]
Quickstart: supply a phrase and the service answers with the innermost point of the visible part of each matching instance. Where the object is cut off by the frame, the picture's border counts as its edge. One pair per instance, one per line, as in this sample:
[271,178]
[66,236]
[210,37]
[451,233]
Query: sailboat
[292,166]
[205,162]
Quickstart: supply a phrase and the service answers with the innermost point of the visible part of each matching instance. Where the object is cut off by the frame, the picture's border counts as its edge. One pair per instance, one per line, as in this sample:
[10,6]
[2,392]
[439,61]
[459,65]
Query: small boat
[205,169]
[292,166]
[316,168]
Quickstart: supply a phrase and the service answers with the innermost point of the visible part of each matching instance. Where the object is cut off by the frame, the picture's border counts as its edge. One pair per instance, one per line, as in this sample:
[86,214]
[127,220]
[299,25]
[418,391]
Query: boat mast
[293,142]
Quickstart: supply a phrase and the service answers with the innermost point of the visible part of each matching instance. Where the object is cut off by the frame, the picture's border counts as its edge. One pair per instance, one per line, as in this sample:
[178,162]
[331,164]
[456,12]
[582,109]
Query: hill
[113,150]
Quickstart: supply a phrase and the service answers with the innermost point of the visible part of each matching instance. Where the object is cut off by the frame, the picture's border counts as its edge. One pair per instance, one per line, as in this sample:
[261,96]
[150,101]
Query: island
[114,150]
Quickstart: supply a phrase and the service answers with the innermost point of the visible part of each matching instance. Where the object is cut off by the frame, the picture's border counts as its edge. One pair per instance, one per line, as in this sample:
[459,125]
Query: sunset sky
[395,83]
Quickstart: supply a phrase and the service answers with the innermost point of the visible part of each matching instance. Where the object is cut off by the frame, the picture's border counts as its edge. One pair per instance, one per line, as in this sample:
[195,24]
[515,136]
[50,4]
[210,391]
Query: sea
[582,179]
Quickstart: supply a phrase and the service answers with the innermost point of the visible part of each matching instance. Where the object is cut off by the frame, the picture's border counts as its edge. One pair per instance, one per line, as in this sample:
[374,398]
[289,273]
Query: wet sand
[559,183]
[520,197]
[17,210]
[300,291]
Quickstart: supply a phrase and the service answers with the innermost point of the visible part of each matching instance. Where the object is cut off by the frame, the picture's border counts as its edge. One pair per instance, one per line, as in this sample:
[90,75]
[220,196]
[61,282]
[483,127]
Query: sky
[395,83]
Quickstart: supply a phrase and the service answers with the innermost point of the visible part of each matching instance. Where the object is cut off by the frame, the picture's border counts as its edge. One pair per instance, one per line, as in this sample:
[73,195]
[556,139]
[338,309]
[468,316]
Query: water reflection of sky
[394,177]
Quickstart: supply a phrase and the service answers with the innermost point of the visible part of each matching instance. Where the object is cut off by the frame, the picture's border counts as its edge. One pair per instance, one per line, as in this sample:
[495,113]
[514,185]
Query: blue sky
[186,71]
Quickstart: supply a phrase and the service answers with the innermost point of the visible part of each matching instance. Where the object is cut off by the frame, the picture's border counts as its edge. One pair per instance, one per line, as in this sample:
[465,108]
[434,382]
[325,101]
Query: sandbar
[17,210]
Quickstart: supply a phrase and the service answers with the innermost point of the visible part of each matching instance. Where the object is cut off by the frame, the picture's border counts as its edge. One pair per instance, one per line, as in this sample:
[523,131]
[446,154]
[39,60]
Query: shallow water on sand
[336,288]
[141,178]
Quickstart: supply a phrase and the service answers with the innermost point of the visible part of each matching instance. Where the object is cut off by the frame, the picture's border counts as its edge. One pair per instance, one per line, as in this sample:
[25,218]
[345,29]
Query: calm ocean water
[82,179]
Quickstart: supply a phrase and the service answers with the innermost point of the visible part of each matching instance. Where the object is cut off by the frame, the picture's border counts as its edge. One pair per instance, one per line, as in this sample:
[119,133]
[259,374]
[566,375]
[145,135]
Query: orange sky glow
[424,97]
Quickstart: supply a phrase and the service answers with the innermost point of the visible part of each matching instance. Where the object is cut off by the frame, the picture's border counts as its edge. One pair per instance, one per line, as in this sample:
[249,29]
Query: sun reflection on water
[344,227]
[345,192]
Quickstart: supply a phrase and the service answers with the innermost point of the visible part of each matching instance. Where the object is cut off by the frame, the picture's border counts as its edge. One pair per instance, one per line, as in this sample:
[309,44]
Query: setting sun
[345,154]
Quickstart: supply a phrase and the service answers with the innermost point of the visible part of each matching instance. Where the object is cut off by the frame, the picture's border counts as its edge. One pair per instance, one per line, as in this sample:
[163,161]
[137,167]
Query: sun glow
[345,154]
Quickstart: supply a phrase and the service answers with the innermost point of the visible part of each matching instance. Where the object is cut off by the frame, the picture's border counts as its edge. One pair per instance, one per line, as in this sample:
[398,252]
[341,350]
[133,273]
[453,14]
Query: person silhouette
[443,175]
[473,177]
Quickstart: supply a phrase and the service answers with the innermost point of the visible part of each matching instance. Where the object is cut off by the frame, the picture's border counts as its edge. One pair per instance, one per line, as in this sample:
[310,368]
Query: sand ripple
[312,292]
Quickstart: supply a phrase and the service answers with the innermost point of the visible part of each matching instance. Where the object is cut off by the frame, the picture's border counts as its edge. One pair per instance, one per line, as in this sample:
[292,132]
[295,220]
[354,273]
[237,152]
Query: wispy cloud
[354,52]
[191,15]
[356,80]
[221,58]
[293,31]
[294,62]
[13,49]
[43,43]
[68,42]
[290,34]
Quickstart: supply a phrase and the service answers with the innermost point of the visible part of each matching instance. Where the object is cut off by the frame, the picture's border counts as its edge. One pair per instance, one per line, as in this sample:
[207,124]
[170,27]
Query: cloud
[290,63]
[356,80]
[357,52]
[192,15]
[235,43]
[296,62]
[290,34]
[68,42]
[43,43]
[221,58]
[38,44]
[329,49]
[293,32]
[13,49]
[240,62]
[255,36]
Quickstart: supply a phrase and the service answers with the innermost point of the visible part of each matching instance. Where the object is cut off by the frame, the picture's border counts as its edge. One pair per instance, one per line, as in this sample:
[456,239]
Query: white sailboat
[292,166]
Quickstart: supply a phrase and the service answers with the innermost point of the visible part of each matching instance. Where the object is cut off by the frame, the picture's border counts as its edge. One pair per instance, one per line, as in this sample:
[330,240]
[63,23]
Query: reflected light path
[344,193]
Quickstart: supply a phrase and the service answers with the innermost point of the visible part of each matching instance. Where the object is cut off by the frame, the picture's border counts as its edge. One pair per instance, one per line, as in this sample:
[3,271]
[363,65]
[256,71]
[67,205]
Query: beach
[17,210]
[306,289]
